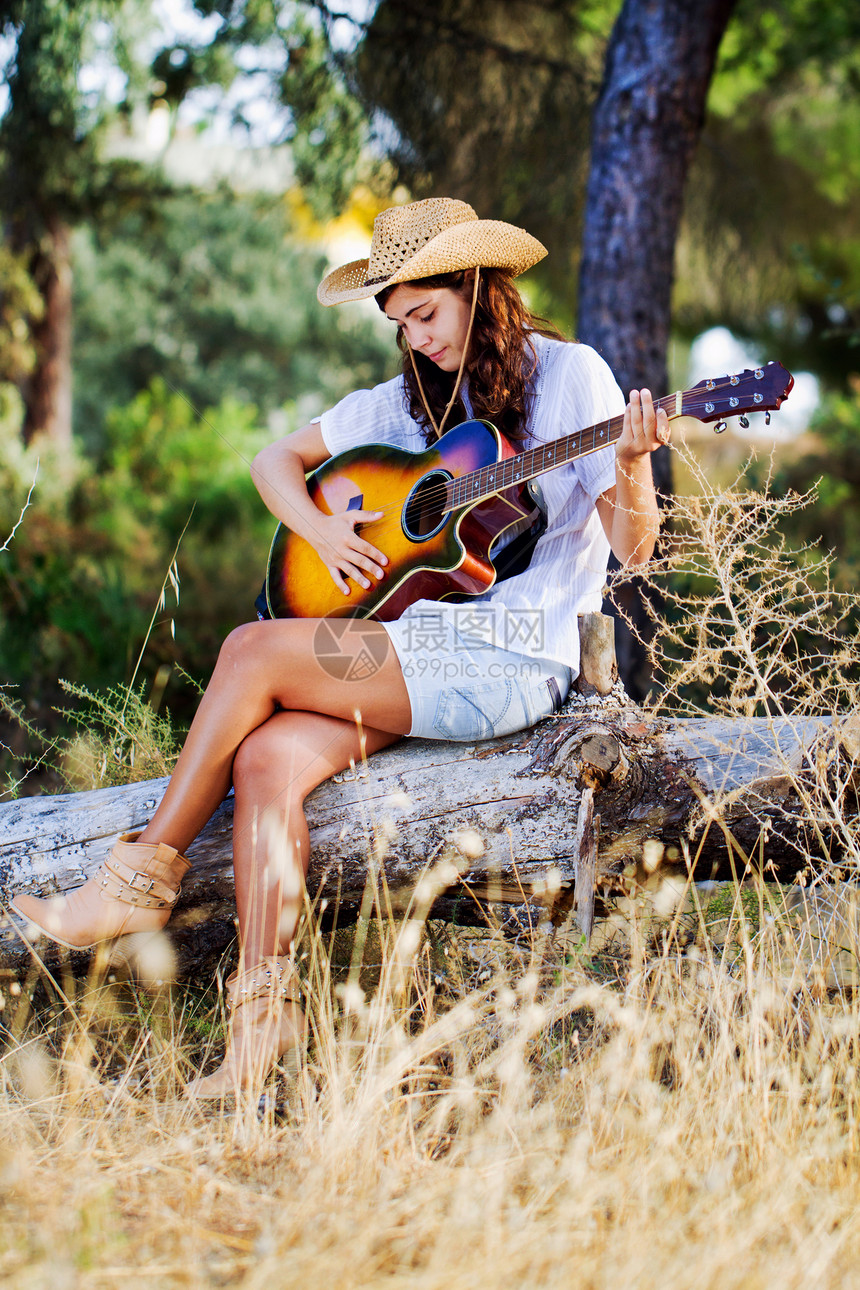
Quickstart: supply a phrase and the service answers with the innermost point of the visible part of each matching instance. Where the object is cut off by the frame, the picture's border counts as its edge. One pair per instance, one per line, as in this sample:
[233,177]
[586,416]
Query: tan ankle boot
[132,891]
[266,1020]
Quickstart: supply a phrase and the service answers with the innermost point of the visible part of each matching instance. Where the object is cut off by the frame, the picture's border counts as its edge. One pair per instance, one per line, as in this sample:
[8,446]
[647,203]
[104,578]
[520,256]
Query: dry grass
[680,1110]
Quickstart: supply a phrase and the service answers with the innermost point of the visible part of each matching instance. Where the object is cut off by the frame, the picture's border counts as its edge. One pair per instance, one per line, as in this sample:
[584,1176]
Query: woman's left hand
[646,428]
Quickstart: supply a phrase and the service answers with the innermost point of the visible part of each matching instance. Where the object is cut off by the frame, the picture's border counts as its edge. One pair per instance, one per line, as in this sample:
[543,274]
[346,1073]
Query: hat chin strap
[440,428]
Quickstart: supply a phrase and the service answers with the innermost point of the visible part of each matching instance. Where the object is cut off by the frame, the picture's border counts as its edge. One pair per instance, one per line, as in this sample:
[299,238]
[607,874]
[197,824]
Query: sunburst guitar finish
[438,546]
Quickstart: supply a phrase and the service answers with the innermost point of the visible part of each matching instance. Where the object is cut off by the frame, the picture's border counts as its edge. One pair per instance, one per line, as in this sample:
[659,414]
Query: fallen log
[583,803]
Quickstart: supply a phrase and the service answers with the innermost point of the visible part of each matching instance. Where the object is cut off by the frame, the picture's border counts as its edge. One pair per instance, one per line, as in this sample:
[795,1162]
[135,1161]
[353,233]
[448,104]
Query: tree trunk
[647,122]
[579,805]
[48,390]
[646,125]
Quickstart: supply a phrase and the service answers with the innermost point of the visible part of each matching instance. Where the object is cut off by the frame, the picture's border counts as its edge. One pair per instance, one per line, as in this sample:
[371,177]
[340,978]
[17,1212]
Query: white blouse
[535,611]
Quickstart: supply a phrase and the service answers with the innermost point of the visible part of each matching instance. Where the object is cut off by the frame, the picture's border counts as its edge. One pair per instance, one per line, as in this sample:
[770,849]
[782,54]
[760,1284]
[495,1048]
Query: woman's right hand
[279,472]
[344,552]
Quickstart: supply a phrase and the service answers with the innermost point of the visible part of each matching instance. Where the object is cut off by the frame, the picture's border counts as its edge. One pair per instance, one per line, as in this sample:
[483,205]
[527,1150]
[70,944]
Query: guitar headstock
[760,389]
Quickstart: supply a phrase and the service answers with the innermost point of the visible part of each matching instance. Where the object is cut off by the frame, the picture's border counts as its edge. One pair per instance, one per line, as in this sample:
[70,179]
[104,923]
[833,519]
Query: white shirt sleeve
[378,415]
[591,395]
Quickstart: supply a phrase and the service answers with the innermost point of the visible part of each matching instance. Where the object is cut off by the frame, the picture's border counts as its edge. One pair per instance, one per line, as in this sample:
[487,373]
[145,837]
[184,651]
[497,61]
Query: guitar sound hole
[424,513]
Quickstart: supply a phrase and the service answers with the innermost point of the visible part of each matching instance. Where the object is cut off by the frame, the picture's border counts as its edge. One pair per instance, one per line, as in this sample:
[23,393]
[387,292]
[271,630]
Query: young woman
[274,722]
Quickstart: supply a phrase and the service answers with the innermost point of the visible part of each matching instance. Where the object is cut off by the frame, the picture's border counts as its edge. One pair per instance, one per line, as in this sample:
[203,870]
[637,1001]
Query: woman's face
[434,320]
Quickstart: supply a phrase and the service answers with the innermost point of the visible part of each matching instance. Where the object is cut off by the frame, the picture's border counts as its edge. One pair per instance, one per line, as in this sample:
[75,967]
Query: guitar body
[432,555]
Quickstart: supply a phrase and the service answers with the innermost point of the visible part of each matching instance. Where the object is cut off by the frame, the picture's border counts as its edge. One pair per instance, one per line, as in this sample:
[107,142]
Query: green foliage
[46,152]
[212,294]
[769,244]
[329,131]
[118,739]
[80,581]
[20,307]
[179,69]
[164,459]
[52,165]
[106,739]
[48,574]
[786,40]
[55,176]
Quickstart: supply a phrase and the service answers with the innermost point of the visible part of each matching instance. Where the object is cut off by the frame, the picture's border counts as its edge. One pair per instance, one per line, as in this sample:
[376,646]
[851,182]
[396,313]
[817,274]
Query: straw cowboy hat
[439,235]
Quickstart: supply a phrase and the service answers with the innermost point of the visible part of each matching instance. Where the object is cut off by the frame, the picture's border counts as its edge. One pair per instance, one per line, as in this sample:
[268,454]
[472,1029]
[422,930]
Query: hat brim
[482,243]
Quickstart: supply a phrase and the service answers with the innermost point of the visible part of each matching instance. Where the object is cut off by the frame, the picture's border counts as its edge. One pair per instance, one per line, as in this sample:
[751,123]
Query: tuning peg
[720,427]
[767,418]
[745,422]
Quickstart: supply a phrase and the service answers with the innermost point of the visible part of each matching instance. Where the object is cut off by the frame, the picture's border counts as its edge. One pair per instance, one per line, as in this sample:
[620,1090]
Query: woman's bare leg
[261,669]
[274,770]
[276,766]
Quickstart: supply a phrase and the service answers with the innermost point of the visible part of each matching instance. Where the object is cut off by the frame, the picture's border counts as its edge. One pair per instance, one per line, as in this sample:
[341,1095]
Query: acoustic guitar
[450,512]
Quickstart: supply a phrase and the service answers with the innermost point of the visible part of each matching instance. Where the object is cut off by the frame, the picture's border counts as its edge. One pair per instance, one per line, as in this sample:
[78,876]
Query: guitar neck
[760,389]
[478,485]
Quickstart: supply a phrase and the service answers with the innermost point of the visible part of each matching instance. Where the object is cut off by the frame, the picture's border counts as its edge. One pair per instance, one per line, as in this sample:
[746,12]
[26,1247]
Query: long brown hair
[501,359]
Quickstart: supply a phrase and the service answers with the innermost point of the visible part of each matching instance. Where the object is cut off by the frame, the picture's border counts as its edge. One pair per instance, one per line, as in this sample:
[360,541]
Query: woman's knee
[258,757]
[242,645]
[270,761]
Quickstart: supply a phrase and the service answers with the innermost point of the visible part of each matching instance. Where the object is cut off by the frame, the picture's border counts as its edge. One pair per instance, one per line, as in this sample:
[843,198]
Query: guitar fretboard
[481,484]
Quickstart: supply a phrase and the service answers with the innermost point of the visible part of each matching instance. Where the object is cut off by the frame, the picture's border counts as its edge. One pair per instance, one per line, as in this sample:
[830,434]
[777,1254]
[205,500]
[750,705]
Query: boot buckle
[141,882]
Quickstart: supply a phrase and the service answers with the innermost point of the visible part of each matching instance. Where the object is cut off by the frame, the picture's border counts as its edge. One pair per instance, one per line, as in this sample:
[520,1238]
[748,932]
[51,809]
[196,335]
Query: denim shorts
[465,690]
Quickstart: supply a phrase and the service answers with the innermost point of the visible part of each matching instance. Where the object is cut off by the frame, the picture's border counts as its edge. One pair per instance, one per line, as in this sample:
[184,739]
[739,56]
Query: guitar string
[454,493]
[435,497]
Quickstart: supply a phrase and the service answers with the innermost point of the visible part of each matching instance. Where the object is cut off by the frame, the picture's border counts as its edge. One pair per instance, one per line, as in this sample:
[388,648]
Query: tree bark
[646,125]
[511,820]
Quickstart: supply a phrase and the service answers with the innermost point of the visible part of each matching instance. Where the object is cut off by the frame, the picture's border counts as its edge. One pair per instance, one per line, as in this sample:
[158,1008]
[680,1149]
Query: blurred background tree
[213,293]
[52,177]
[64,64]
